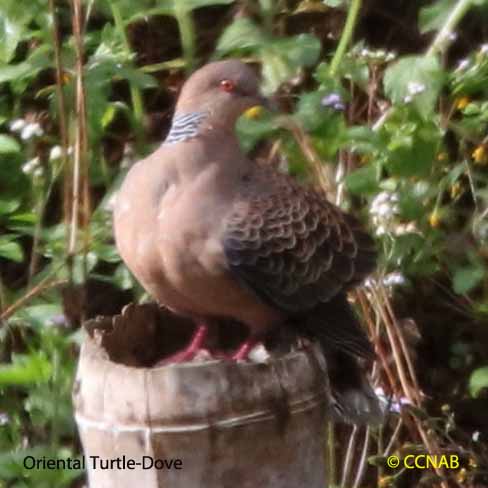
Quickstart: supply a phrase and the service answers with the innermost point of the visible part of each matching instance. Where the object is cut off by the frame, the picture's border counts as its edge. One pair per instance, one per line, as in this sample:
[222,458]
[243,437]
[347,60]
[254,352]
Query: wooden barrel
[205,424]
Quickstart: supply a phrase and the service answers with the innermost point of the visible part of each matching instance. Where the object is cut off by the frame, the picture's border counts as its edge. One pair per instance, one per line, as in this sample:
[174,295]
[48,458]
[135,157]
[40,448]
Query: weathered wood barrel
[205,424]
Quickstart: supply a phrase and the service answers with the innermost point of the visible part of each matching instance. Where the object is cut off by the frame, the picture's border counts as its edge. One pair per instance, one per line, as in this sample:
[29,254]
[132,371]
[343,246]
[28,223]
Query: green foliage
[8,145]
[478,381]
[434,16]
[409,129]
[417,80]
[282,58]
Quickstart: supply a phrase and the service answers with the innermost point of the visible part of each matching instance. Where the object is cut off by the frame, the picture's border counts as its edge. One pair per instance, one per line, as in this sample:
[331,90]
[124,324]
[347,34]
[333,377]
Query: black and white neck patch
[184,127]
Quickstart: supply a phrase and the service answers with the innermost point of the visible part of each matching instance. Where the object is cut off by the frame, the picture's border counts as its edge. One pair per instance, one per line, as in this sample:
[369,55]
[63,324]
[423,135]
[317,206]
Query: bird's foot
[242,352]
[194,349]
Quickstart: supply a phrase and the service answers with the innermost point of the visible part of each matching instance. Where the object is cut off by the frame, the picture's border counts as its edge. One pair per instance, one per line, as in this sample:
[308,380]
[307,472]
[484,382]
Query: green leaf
[243,34]
[251,131]
[301,50]
[169,7]
[283,58]
[363,180]
[15,16]
[335,3]
[414,158]
[433,17]
[11,250]
[8,145]
[478,381]
[193,4]
[416,80]
[10,36]
[123,278]
[37,61]
[363,139]
[8,206]
[467,278]
[108,115]
[25,369]
[310,113]
[39,315]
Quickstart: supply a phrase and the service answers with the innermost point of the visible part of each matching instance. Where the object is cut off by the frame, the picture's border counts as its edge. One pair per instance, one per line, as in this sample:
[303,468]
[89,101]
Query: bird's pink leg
[244,349]
[194,347]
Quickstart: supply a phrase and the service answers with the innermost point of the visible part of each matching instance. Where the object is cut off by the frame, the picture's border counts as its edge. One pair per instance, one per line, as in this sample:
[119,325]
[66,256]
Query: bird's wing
[292,247]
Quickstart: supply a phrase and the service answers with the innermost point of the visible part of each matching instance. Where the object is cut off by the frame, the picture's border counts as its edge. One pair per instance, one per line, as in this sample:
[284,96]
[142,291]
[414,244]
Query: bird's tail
[344,344]
[352,398]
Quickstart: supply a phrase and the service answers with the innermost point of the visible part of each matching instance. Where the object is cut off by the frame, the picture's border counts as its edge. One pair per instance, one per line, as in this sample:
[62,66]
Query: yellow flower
[461,475]
[65,77]
[480,155]
[462,102]
[364,160]
[456,190]
[385,481]
[472,463]
[254,112]
[446,408]
[442,156]
[434,219]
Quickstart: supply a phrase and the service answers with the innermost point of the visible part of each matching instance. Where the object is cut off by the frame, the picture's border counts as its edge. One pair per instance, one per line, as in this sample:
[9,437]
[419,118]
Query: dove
[212,234]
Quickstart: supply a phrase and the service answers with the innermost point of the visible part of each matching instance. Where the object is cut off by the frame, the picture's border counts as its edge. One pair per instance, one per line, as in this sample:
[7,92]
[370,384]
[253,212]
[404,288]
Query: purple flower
[334,101]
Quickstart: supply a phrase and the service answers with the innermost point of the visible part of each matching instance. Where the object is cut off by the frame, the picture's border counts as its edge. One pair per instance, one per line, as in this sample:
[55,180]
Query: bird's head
[224,89]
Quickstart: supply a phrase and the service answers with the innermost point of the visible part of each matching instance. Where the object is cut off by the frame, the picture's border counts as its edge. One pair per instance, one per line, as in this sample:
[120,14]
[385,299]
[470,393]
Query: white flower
[452,36]
[387,210]
[30,166]
[484,49]
[414,87]
[55,153]
[394,279]
[4,419]
[385,213]
[31,130]
[17,125]
[402,229]
[476,436]
[369,282]
[463,64]
[388,403]
[382,197]
[385,205]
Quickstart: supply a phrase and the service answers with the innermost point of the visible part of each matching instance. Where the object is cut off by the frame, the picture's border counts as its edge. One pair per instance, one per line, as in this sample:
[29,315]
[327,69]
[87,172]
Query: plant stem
[352,16]
[439,44]
[185,25]
[443,37]
[331,457]
[63,124]
[135,93]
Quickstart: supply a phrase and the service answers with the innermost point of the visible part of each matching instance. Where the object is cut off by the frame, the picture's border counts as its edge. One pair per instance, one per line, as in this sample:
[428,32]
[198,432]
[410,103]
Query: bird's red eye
[227,85]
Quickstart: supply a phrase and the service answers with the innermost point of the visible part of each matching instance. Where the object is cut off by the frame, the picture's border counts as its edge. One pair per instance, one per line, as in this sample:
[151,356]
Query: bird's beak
[263,103]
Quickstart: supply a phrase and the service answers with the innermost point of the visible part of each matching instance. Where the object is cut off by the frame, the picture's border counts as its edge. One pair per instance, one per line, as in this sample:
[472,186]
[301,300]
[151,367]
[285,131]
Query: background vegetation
[387,110]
